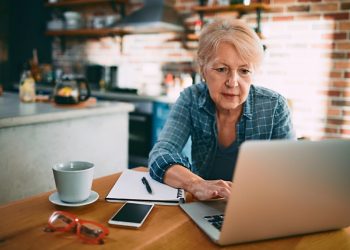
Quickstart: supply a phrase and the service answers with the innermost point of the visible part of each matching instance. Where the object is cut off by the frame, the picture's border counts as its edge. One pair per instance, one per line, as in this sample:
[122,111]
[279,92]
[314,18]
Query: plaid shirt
[265,116]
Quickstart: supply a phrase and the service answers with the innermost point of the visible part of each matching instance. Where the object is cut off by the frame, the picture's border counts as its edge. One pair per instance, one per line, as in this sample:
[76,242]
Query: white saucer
[56,200]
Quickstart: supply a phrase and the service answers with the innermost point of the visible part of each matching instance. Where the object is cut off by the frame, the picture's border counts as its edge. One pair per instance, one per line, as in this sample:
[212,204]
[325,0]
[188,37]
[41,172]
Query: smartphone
[131,214]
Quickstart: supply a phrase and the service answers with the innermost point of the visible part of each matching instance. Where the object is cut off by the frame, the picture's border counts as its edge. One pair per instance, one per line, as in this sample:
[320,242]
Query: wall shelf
[87,32]
[241,8]
[72,3]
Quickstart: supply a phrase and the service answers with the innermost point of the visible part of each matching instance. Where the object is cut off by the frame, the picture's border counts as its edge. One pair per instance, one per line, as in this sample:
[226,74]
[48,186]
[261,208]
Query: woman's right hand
[205,190]
[180,177]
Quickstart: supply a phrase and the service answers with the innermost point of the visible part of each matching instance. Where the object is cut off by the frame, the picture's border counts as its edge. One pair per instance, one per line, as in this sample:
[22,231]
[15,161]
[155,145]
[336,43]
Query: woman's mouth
[229,95]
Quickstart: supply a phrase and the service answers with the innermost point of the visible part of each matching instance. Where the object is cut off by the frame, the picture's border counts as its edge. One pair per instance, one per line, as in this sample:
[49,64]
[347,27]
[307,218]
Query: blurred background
[307,49]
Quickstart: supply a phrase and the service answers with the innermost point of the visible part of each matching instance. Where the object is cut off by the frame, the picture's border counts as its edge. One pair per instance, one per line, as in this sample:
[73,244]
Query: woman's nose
[233,79]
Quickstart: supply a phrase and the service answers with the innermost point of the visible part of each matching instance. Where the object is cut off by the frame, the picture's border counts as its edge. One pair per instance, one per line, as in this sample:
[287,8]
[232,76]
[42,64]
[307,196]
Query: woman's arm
[181,177]
[168,149]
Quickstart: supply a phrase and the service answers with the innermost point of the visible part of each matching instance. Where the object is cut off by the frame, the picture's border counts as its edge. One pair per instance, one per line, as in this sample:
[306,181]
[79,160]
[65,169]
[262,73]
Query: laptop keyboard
[215,220]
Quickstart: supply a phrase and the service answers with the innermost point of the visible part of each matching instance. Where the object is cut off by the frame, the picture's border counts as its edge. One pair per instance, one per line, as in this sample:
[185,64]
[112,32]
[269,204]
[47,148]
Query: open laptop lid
[284,188]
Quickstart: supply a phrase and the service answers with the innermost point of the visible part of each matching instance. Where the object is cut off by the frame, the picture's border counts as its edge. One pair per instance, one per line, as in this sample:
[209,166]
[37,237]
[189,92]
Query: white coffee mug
[73,180]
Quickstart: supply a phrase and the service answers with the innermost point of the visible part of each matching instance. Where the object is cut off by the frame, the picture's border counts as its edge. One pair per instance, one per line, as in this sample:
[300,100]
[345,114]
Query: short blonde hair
[233,31]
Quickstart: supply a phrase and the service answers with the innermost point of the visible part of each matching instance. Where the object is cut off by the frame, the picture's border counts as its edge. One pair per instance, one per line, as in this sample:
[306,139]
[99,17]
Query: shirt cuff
[163,162]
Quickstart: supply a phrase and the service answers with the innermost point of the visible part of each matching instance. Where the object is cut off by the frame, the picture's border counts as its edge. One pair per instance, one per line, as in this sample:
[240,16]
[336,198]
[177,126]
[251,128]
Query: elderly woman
[219,114]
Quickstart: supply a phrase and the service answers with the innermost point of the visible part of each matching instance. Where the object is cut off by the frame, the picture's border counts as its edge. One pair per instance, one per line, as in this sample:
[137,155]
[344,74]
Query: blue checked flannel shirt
[265,116]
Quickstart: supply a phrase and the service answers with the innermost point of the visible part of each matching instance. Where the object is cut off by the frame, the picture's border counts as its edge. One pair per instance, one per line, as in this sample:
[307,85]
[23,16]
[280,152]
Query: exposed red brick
[284,1]
[346,112]
[324,7]
[251,19]
[340,103]
[334,112]
[345,131]
[342,65]
[346,93]
[331,130]
[344,25]
[341,84]
[335,74]
[299,8]
[337,16]
[335,93]
[345,6]
[307,1]
[276,9]
[282,18]
[343,46]
[334,121]
[263,1]
[348,55]
[346,74]
[335,36]
[335,55]
[308,17]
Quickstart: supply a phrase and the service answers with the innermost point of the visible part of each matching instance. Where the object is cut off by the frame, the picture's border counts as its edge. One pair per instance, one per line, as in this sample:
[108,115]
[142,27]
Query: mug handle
[88,91]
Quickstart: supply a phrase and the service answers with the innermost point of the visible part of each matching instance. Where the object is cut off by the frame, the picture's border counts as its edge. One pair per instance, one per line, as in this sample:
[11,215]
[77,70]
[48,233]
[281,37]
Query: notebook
[129,187]
[280,188]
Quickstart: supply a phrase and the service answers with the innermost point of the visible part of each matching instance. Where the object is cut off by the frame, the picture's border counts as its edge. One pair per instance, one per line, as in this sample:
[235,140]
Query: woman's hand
[205,190]
[180,177]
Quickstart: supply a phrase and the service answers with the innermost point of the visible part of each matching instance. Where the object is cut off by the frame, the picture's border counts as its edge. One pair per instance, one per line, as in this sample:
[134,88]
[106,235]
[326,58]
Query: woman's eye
[221,70]
[244,71]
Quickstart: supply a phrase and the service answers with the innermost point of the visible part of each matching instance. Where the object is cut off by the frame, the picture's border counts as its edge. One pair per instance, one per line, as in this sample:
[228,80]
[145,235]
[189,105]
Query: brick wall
[308,61]
[307,58]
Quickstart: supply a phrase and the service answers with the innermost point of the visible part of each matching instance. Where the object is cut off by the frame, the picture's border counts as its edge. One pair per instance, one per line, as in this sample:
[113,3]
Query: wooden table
[167,227]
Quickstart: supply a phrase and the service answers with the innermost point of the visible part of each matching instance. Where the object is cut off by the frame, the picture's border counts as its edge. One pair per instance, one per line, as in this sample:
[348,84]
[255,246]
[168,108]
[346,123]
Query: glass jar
[27,86]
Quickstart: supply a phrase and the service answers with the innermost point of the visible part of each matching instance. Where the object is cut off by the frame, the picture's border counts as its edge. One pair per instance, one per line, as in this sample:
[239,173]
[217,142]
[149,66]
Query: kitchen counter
[115,95]
[35,136]
[131,97]
[15,113]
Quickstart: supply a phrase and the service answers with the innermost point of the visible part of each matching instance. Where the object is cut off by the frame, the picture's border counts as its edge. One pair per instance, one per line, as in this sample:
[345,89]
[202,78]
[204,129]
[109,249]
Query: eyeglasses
[88,231]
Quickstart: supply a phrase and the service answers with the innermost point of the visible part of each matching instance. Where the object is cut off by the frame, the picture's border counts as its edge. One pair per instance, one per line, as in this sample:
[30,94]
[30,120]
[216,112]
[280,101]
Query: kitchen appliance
[71,90]
[140,133]
[154,16]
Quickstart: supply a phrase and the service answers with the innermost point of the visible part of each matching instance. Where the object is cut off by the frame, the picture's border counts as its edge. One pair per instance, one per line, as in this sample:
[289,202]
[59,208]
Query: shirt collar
[248,104]
[207,103]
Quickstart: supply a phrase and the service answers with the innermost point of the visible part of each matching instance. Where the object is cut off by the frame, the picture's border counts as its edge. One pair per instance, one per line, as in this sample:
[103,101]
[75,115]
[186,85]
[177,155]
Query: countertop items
[35,136]
[15,113]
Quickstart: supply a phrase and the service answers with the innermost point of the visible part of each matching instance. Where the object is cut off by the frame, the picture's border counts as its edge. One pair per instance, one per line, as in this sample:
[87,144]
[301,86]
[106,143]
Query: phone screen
[132,213]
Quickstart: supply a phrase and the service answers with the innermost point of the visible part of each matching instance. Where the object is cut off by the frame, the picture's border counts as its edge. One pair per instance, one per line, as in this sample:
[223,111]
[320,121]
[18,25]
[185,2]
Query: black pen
[148,187]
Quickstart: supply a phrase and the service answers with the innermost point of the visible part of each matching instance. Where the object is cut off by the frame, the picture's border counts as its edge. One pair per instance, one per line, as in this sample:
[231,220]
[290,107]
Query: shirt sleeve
[168,149]
[283,128]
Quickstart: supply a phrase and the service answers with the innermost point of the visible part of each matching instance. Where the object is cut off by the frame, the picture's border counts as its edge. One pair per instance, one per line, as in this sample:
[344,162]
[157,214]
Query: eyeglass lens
[60,221]
[89,230]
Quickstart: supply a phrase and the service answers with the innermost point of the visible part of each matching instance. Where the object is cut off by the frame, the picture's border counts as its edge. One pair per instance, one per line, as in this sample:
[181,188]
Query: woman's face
[228,78]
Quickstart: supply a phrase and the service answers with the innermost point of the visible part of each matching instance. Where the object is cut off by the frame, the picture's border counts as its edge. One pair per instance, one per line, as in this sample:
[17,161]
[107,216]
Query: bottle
[34,67]
[27,86]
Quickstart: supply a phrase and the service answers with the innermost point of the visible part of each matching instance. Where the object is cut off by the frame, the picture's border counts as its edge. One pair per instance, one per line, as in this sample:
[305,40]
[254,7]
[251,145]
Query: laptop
[280,188]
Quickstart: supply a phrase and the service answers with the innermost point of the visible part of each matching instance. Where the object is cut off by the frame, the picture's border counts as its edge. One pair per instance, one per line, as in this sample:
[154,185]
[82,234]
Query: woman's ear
[203,73]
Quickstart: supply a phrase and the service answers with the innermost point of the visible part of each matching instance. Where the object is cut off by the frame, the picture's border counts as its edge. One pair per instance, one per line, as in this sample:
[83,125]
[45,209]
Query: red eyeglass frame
[76,222]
